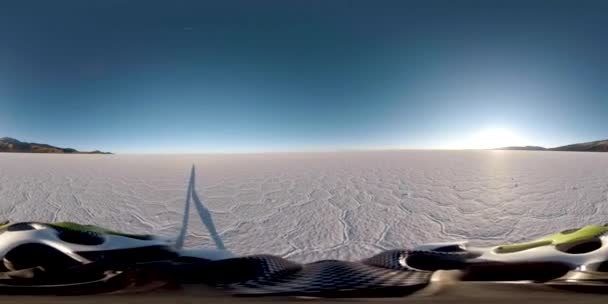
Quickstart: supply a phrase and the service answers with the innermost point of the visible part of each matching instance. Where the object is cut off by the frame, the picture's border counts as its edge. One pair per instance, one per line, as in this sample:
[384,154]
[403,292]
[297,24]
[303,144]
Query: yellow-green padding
[582,234]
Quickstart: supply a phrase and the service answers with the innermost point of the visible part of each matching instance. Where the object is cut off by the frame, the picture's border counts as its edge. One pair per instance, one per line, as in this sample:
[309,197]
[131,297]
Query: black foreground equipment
[72,259]
[388,274]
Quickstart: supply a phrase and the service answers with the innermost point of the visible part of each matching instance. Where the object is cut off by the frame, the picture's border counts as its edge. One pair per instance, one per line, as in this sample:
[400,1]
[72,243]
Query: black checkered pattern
[388,259]
[419,259]
[379,275]
[333,278]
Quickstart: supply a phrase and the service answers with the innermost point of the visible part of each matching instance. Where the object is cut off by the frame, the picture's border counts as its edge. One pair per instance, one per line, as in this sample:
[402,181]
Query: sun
[491,138]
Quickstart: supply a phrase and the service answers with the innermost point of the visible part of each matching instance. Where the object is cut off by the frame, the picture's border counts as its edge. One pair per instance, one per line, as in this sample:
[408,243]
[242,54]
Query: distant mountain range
[8,144]
[592,146]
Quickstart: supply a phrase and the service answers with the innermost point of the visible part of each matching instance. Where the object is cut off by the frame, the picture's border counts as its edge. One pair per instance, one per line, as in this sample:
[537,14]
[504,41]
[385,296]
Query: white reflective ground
[309,206]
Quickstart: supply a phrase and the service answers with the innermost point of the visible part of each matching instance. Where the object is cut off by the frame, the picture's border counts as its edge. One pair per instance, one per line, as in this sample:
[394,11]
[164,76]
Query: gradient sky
[208,76]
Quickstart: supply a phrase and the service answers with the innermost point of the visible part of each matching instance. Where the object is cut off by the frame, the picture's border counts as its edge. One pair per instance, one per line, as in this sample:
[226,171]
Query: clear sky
[209,76]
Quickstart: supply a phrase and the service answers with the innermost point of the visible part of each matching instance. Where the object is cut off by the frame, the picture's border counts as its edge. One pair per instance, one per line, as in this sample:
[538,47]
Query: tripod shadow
[203,213]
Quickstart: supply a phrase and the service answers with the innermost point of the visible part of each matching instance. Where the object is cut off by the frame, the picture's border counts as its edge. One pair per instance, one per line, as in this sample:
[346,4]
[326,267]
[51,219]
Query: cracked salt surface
[310,206]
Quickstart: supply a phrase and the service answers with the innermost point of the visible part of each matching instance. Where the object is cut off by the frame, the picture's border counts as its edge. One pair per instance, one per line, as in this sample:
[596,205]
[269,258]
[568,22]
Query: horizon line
[304,151]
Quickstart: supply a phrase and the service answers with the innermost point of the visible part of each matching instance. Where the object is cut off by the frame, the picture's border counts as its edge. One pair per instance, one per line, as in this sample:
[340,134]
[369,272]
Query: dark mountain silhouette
[527,148]
[592,146]
[8,144]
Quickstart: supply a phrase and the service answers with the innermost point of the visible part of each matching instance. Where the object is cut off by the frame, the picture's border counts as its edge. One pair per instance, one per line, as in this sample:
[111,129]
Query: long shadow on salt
[203,213]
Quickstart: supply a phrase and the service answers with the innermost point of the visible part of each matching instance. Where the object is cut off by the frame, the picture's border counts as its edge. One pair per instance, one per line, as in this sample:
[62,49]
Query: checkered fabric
[380,275]
[420,260]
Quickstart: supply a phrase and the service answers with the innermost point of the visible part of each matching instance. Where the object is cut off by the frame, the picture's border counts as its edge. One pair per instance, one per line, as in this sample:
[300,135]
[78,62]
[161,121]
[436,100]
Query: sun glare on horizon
[491,138]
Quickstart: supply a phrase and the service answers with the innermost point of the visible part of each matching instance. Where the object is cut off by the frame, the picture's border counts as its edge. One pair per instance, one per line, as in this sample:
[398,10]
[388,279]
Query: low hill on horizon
[526,148]
[8,144]
[592,146]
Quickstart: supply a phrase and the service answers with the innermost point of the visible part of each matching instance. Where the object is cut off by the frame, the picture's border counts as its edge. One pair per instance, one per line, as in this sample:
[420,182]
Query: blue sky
[236,76]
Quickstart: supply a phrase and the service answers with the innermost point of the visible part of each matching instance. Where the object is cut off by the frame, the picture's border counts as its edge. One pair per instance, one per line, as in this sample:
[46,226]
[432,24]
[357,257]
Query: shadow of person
[203,213]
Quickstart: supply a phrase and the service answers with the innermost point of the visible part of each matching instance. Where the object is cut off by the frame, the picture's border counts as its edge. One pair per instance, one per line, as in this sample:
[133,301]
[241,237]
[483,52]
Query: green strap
[92,228]
[564,237]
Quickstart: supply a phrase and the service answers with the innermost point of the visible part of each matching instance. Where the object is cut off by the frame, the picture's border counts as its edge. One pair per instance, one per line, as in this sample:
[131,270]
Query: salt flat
[309,206]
